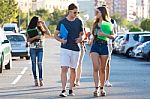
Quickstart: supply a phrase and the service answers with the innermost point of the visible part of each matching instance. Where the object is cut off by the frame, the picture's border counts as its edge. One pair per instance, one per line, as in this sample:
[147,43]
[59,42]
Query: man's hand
[63,41]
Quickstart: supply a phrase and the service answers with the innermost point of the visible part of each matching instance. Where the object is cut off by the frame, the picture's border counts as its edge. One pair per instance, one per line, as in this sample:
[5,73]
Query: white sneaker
[63,93]
[108,84]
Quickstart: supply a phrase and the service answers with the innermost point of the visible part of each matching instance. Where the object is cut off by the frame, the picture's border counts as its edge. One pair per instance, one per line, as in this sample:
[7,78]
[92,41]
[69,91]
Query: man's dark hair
[72,6]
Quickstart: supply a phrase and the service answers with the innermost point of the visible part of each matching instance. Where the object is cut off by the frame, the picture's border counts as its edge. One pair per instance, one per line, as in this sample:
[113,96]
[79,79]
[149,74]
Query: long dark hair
[33,24]
[104,15]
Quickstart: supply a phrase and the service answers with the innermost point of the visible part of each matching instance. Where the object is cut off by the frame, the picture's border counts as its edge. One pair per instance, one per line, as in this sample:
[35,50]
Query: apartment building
[24,5]
[32,5]
[143,9]
[51,4]
[87,8]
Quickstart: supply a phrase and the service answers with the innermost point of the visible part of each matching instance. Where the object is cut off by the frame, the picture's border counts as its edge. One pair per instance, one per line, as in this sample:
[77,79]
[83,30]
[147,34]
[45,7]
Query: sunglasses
[76,12]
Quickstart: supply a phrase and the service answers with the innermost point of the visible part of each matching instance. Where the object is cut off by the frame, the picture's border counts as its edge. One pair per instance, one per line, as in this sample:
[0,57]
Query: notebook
[32,32]
[63,32]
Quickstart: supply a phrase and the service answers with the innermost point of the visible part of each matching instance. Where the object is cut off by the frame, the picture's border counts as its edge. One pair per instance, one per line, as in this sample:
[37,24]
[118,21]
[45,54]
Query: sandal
[41,83]
[103,92]
[96,93]
[36,82]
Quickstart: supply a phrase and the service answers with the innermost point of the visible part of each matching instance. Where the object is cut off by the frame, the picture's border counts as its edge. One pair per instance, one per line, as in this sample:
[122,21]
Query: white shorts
[69,58]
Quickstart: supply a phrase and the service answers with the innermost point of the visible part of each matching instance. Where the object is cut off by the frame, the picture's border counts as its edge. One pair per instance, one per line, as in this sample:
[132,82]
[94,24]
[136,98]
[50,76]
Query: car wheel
[1,65]
[21,57]
[27,57]
[129,53]
[9,65]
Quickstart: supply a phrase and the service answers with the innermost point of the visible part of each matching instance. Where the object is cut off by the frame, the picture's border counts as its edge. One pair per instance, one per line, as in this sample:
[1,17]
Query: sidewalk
[121,89]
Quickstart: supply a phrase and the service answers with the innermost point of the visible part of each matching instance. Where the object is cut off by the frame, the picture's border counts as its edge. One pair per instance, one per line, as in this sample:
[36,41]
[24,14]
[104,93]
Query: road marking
[20,75]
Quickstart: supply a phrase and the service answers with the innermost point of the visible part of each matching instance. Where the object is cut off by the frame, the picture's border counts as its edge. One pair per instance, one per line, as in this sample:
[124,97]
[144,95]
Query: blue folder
[63,32]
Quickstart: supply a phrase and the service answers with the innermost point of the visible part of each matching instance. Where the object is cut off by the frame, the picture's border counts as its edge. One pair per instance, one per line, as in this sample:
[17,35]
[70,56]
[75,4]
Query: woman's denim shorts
[100,48]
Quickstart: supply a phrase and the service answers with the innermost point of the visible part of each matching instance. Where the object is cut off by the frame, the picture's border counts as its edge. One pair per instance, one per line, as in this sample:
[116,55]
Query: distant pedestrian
[102,31]
[69,53]
[79,67]
[36,33]
[110,49]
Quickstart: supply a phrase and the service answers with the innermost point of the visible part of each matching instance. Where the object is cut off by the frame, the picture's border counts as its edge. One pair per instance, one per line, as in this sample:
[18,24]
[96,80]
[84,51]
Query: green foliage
[130,25]
[117,17]
[52,28]
[121,21]
[134,29]
[8,11]
[145,24]
[44,14]
[56,16]
[23,19]
[89,23]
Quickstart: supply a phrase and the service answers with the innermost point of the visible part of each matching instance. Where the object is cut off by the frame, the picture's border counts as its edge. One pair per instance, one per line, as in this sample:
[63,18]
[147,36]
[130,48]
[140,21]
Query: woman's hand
[101,34]
[78,40]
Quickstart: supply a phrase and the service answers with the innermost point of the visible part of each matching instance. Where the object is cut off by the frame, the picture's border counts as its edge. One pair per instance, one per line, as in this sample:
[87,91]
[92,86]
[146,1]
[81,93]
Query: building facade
[143,9]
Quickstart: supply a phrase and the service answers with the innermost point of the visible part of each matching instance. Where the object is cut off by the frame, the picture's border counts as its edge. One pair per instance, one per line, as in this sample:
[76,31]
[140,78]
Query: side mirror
[5,41]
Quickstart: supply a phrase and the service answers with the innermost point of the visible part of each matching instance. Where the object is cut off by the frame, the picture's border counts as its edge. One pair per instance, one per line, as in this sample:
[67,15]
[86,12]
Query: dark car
[146,50]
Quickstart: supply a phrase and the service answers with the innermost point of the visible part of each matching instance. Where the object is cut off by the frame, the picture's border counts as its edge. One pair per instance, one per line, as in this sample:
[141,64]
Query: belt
[100,41]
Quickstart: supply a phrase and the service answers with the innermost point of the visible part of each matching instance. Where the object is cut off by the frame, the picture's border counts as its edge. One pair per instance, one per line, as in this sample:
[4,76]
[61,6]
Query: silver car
[19,45]
[146,50]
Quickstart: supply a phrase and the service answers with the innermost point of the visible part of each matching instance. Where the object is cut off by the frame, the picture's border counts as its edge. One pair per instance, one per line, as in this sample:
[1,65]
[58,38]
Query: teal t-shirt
[105,27]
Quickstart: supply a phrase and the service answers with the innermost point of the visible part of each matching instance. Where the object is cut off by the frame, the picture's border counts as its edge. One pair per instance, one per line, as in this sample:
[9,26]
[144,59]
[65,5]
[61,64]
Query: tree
[23,19]
[145,24]
[56,16]
[117,17]
[8,11]
[44,14]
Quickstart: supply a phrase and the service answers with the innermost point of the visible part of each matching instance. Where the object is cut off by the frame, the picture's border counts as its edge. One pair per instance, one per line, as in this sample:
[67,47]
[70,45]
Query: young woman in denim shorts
[102,32]
[36,33]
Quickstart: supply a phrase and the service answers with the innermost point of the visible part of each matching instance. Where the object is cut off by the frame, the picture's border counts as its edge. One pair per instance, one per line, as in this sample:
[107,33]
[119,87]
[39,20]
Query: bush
[134,29]
[145,24]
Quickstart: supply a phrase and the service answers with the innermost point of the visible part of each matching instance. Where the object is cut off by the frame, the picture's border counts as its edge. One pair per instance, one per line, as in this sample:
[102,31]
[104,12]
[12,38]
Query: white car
[19,45]
[5,52]
[10,27]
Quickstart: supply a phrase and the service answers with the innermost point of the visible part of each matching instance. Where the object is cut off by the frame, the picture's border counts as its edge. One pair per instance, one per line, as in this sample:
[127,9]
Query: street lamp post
[28,12]
[19,16]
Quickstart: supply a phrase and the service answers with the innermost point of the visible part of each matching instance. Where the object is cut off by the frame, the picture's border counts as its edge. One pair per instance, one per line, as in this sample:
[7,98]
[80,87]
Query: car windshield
[144,39]
[15,38]
[9,28]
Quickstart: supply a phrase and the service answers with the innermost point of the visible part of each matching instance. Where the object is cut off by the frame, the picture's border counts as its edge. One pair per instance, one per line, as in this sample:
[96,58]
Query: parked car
[10,27]
[19,45]
[5,52]
[146,50]
[137,48]
[131,38]
[23,32]
[116,42]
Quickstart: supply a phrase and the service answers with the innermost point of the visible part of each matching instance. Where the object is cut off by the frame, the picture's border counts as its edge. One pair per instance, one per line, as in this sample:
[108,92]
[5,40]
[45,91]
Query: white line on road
[20,75]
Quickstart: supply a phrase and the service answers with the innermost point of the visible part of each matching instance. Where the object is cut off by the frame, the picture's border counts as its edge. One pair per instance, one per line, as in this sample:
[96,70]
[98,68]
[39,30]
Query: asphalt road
[130,78]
